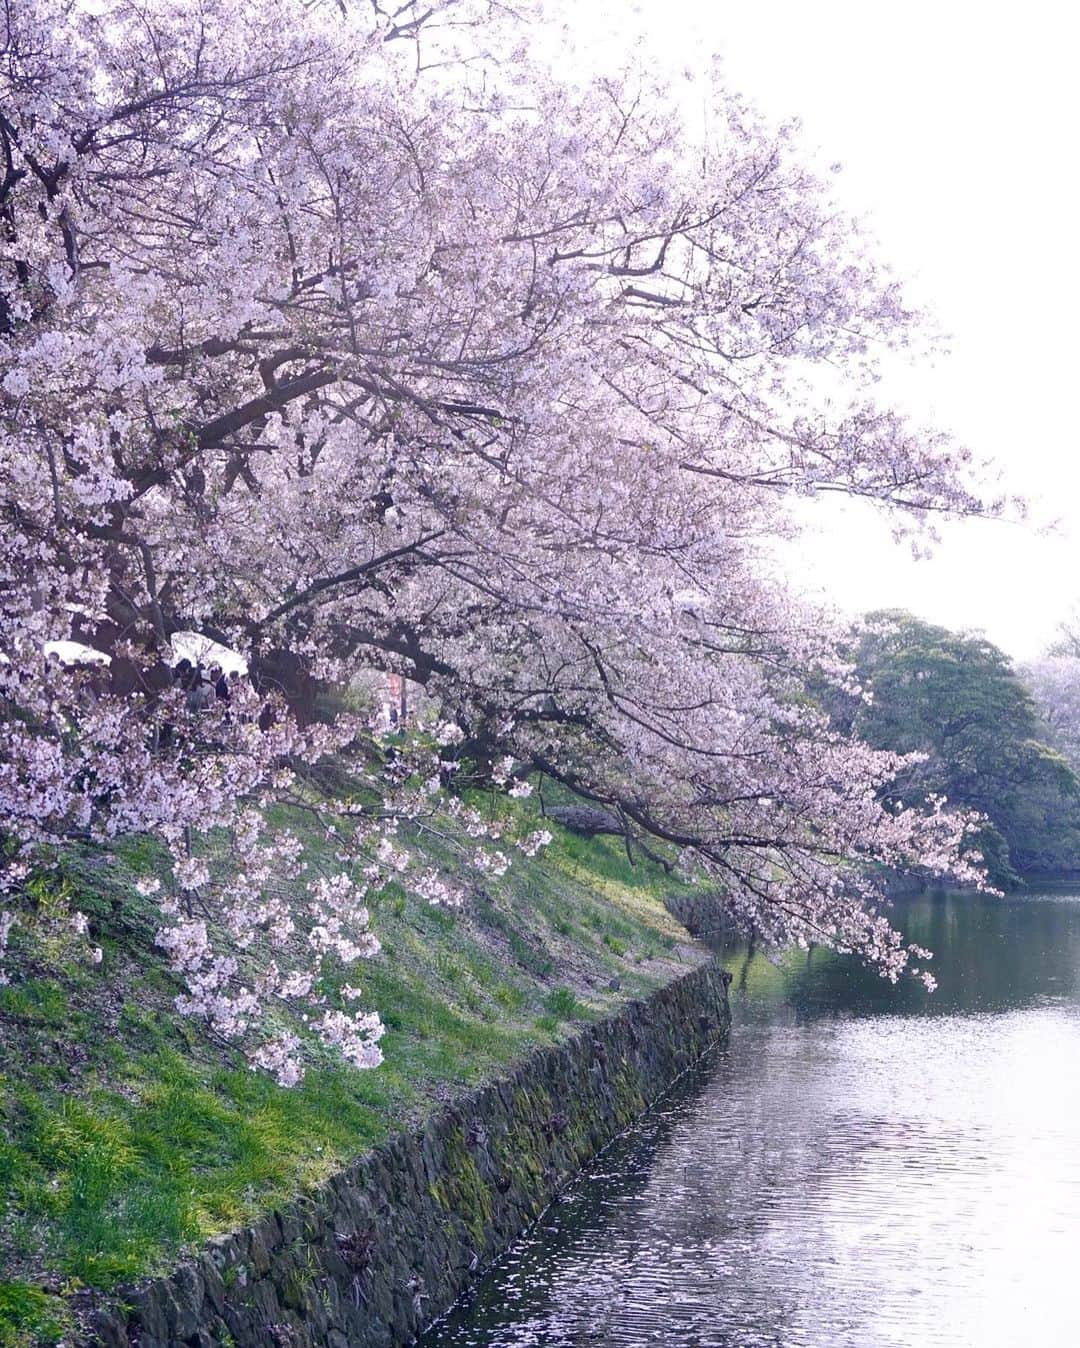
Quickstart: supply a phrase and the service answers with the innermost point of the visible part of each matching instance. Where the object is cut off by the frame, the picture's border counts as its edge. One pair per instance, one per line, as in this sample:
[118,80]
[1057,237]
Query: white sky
[957,127]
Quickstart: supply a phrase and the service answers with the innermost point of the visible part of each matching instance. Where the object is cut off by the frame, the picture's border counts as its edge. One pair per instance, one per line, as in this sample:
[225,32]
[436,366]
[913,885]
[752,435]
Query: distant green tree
[956,698]
[1054,681]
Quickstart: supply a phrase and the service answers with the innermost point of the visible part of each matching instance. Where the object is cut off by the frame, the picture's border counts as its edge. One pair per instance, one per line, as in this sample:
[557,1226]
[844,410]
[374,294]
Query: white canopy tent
[203,650]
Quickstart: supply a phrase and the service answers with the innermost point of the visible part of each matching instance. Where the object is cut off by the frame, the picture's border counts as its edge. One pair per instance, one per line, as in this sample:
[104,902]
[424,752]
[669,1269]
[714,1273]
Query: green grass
[29,1316]
[562,1003]
[126,1137]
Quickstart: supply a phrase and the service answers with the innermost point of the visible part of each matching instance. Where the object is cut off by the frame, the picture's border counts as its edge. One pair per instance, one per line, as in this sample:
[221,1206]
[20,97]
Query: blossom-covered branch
[351,337]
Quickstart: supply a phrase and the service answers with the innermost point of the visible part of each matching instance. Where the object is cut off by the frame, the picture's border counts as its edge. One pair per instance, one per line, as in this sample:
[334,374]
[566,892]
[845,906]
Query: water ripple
[839,1178]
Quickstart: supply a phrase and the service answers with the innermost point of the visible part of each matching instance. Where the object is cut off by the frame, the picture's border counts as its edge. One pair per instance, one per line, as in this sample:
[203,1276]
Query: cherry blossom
[349,339]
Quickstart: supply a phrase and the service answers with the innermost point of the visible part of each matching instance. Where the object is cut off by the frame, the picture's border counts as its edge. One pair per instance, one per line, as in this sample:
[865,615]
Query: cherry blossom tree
[358,337]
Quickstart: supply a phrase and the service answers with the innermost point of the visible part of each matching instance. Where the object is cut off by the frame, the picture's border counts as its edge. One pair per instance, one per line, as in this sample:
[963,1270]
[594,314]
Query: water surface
[862,1166]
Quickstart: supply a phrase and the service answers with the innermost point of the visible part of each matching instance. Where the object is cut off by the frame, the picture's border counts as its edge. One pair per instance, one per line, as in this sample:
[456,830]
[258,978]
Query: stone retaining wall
[388,1245]
[702,914]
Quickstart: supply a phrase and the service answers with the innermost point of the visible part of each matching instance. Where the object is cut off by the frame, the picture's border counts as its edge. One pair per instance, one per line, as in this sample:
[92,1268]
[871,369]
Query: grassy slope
[126,1137]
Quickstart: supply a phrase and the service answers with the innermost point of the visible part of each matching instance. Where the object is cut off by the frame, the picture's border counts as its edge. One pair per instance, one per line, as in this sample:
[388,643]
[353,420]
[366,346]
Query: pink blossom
[454,368]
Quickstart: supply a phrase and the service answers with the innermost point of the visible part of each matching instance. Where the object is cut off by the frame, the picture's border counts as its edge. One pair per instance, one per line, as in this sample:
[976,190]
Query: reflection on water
[861,1167]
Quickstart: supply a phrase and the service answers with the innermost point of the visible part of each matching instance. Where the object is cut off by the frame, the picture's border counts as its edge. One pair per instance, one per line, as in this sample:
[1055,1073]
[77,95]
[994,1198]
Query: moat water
[862,1166]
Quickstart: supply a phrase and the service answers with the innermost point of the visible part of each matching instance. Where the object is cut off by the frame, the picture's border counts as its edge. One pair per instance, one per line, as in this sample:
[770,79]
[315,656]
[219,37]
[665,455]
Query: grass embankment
[126,1137]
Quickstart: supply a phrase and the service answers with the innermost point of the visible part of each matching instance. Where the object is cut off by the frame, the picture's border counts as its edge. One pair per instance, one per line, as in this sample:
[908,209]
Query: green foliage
[30,1316]
[956,698]
[562,1003]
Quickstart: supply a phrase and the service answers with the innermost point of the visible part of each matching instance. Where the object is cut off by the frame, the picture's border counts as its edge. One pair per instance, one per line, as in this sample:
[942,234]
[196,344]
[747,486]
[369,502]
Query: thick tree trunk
[289,675]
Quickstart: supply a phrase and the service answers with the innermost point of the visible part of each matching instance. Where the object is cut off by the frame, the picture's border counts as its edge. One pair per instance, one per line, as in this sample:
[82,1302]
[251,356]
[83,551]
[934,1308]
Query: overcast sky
[957,128]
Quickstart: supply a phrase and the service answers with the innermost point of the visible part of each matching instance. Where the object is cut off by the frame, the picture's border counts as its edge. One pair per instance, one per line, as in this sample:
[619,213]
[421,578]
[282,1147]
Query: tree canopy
[955,699]
[355,336]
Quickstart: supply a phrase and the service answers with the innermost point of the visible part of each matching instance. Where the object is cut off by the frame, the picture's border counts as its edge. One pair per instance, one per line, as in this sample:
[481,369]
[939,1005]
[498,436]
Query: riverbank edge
[386,1246]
